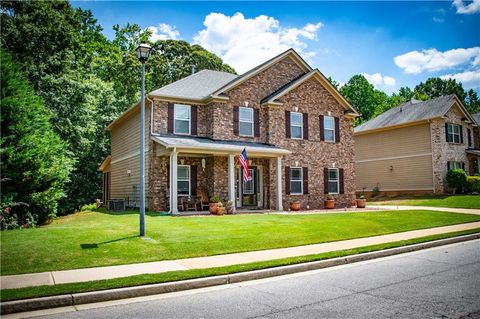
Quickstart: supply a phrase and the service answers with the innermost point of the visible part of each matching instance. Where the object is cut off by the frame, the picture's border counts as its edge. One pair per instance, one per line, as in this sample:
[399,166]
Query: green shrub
[473,184]
[215,199]
[88,207]
[457,179]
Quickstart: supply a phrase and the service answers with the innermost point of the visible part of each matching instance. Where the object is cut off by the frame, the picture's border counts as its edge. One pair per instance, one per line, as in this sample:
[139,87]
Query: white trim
[296,180]
[279,184]
[260,186]
[231,179]
[173,184]
[189,119]
[252,174]
[240,121]
[333,180]
[325,129]
[453,134]
[301,126]
[431,155]
[393,157]
[184,180]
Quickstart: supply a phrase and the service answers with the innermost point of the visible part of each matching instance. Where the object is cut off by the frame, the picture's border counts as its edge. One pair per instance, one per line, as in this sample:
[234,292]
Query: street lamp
[143,52]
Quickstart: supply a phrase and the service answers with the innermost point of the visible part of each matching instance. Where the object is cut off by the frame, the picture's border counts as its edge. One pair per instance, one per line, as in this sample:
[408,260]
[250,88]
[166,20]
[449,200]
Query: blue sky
[393,43]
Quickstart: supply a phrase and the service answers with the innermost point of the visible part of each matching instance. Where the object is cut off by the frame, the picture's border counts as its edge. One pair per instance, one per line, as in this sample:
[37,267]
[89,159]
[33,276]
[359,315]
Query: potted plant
[329,202]
[229,207]
[295,205]
[361,202]
[221,209]
[213,205]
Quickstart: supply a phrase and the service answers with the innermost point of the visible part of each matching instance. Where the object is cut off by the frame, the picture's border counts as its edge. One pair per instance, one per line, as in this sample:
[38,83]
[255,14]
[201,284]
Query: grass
[43,291]
[92,239]
[449,201]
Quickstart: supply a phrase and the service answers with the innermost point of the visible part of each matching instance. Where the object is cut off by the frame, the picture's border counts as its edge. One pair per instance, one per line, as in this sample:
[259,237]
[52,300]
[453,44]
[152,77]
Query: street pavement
[442,282]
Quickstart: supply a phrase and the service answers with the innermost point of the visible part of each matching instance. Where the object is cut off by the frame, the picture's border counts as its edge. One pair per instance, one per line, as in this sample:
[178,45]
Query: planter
[221,211]
[361,203]
[213,208]
[295,206]
[329,204]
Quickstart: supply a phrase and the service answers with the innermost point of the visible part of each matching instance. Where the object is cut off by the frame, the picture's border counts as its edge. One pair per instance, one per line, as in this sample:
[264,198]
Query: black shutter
[469,136]
[305,126]
[287,124]
[461,134]
[340,179]
[305,180]
[256,122]
[322,132]
[193,128]
[448,166]
[170,118]
[287,180]
[446,132]
[193,180]
[325,180]
[463,165]
[337,130]
[235,120]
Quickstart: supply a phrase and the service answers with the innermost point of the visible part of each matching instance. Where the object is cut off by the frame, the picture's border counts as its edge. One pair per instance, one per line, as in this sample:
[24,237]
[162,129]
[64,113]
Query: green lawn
[450,201]
[91,239]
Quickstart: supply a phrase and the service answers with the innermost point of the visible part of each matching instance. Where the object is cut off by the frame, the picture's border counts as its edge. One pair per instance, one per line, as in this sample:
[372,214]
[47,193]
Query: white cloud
[469,79]
[473,7]
[434,60]
[379,81]
[163,32]
[244,43]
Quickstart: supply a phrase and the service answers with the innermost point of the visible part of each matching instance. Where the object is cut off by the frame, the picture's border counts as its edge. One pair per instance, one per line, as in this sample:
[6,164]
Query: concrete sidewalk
[98,273]
[439,209]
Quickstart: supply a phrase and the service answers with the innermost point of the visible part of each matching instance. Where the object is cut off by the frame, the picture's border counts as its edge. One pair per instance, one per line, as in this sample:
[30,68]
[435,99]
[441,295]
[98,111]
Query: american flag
[244,161]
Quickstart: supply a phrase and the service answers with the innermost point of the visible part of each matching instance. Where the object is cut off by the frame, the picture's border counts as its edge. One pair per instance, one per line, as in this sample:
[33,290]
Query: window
[182,119]
[249,186]
[296,125]
[455,165]
[329,128]
[453,133]
[333,181]
[183,180]
[296,181]
[245,121]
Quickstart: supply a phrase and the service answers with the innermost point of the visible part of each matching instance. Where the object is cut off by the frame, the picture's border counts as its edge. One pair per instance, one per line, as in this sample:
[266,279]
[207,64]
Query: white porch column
[231,179]
[279,184]
[173,183]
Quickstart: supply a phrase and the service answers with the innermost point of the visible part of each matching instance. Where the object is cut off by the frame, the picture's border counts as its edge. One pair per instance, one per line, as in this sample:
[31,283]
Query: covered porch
[187,171]
[473,157]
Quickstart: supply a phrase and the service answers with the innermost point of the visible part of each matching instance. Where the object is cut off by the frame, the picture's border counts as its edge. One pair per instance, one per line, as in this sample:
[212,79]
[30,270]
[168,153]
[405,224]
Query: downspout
[152,104]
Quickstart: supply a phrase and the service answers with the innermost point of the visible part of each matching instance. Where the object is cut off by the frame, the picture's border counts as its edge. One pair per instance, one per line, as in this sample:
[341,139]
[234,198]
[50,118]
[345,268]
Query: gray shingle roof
[476,117]
[197,86]
[410,111]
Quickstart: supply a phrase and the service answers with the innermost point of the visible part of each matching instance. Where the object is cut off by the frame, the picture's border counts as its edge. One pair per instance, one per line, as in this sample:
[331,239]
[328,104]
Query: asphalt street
[442,282]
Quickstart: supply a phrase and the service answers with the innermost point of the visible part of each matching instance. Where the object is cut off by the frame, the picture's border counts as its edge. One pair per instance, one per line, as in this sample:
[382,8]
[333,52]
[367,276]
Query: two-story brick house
[411,147]
[296,127]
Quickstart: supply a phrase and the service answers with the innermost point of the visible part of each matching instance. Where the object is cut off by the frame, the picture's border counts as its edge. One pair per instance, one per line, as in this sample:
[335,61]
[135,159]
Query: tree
[35,162]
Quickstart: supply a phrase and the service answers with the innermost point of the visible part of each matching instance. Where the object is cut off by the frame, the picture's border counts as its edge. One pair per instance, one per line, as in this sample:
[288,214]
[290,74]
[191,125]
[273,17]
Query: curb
[153,289]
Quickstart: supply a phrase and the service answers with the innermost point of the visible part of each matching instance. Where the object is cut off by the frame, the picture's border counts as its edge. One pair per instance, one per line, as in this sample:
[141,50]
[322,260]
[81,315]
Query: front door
[250,188]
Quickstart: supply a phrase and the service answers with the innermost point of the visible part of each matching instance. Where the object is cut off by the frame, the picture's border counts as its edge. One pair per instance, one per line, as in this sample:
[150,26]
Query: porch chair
[191,203]
[202,199]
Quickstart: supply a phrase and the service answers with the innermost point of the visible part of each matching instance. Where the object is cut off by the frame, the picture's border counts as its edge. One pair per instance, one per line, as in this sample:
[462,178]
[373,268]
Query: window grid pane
[329,122]
[246,114]
[296,132]
[296,174]
[329,135]
[182,126]
[295,187]
[296,119]
[332,187]
[182,112]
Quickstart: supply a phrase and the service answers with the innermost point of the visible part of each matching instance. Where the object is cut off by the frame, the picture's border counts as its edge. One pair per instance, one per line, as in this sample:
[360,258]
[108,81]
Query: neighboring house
[296,127]
[411,147]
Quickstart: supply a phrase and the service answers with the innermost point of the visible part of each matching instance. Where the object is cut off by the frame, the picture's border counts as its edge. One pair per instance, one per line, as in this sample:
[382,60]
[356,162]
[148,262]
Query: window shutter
[235,120]
[170,118]
[325,180]
[337,130]
[463,165]
[256,122]
[287,180]
[340,181]
[469,136]
[287,124]
[193,180]
[305,126]
[322,133]
[448,166]
[446,132]
[194,119]
[305,180]
[461,134]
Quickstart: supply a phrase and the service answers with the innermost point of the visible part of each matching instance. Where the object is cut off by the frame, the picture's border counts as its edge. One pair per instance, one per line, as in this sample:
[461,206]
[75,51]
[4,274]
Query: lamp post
[143,52]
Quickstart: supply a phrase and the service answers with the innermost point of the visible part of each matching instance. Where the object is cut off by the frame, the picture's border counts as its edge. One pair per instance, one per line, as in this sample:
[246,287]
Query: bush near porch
[90,239]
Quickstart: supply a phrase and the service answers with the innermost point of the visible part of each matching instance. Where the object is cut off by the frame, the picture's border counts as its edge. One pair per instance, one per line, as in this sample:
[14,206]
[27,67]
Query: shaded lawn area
[90,239]
[449,201]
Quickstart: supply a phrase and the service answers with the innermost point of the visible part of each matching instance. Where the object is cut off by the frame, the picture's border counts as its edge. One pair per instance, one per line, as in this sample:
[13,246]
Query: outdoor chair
[202,199]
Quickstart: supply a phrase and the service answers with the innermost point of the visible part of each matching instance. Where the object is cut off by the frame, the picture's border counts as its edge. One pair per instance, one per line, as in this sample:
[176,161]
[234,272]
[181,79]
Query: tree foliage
[35,161]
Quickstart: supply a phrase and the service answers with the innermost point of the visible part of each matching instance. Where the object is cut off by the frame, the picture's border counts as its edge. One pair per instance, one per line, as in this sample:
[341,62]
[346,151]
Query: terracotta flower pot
[329,204]
[361,203]
[221,210]
[213,208]
[295,206]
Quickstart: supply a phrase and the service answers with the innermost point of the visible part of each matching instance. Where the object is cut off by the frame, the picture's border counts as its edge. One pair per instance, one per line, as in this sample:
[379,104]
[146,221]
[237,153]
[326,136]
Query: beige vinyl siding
[404,141]
[411,173]
[126,157]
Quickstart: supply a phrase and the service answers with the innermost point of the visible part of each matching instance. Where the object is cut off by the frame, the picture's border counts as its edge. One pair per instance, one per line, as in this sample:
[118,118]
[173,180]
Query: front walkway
[98,273]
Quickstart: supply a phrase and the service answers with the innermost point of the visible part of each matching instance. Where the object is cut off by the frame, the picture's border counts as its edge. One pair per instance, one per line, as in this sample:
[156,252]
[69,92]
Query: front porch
[473,157]
[187,171]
